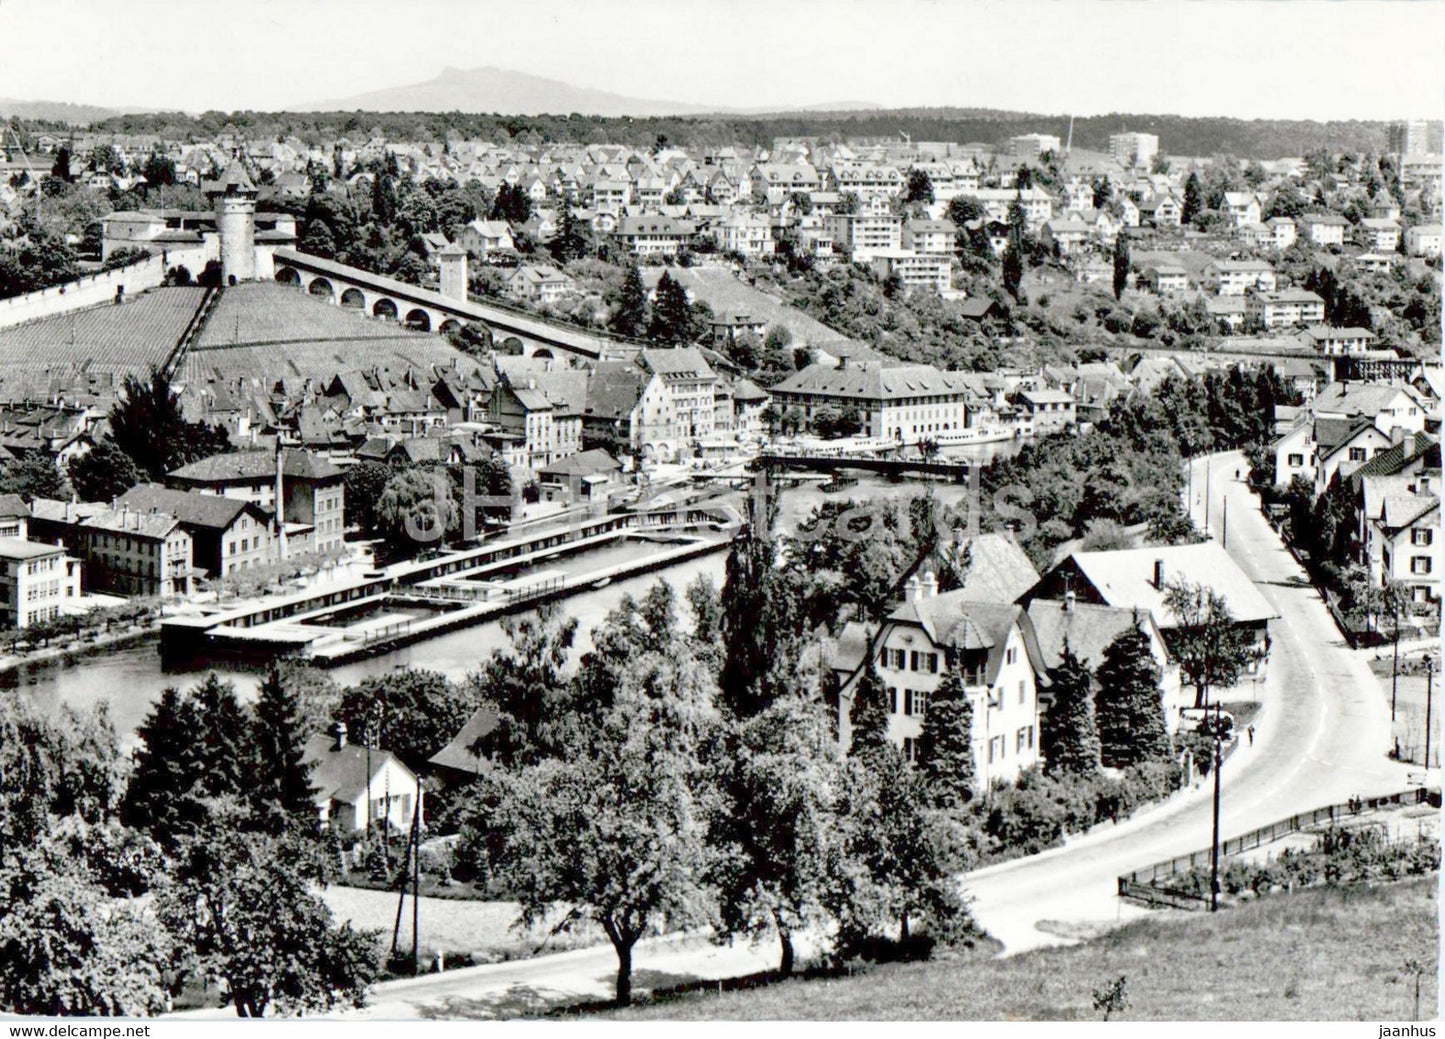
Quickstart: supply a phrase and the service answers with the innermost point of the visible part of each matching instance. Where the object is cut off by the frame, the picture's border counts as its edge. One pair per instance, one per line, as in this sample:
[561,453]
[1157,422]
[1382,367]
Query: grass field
[1324,954]
[456,927]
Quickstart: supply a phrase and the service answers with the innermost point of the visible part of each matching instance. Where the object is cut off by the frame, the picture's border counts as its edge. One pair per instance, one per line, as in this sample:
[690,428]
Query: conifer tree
[1070,736]
[280,783]
[630,318]
[672,313]
[221,732]
[1129,706]
[1193,199]
[945,746]
[1121,264]
[868,717]
[163,793]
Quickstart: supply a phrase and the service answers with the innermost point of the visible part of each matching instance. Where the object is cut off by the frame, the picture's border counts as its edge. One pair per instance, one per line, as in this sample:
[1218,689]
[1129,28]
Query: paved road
[1320,737]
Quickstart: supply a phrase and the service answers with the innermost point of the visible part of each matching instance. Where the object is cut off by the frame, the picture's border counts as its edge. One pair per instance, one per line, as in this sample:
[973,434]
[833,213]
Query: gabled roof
[193,509]
[459,754]
[584,463]
[249,466]
[1124,578]
[342,775]
[12,506]
[953,621]
[1088,628]
[1402,510]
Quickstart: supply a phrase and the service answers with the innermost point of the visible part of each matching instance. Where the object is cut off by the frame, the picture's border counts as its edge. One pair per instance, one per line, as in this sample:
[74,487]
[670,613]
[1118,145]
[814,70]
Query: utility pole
[1429,690]
[1208,471]
[1214,846]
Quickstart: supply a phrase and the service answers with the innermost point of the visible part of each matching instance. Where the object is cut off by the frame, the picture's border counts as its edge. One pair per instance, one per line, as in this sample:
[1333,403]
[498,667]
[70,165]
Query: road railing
[1152,883]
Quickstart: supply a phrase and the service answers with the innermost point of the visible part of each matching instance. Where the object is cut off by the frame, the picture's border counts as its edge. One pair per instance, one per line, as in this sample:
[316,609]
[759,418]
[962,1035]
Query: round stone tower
[234,197]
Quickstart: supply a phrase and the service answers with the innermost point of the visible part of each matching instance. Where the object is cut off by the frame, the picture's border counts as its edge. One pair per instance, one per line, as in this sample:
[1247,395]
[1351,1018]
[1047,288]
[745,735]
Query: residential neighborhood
[499,548]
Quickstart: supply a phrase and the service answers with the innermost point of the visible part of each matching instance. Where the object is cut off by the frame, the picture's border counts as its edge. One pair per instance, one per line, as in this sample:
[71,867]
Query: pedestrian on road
[1250,730]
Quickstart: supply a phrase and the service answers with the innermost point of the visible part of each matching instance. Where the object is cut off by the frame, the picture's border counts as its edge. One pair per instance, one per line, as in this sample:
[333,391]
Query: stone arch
[512,345]
[418,319]
[321,287]
[354,298]
[384,308]
[543,353]
[288,276]
[451,324]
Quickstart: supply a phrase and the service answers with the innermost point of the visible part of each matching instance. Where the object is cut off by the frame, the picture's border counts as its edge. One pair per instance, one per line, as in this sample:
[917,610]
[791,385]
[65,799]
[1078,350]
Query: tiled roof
[193,509]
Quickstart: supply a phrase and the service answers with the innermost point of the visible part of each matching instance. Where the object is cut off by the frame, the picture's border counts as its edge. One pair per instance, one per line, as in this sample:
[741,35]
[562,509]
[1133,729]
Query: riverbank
[77,650]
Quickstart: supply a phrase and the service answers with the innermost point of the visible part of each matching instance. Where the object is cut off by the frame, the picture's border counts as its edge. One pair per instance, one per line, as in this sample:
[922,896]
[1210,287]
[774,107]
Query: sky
[1300,59]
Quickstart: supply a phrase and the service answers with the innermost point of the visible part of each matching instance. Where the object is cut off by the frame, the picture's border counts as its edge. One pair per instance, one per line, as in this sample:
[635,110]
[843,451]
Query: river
[130,679]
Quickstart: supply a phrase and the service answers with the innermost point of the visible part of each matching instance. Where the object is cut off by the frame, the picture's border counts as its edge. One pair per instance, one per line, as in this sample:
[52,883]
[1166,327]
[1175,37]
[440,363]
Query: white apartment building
[1134,149]
[863,235]
[36,581]
[916,270]
[902,402]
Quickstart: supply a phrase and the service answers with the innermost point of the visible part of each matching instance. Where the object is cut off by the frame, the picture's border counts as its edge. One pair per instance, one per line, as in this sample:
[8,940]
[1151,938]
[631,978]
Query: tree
[1211,648]
[615,829]
[34,475]
[630,317]
[1129,705]
[280,784]
[1103,192]
[417,509]
[163,796]
[920,187]
[61,167]
[783,833]
[525,683]
[945,745]
[1070,737]
[894,868]
[147,423]
[244,904]
[1121,264]
[570,242]
[67,948]
[868,715]
[412,713]
[103,473]
[1193,199]
[159,170]
[1013,268]
[365,483]
[672,320]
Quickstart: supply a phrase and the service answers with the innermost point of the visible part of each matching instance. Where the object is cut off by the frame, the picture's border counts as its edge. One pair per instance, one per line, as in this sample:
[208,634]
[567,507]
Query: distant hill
[57,111]
[1178,135]
[502,91]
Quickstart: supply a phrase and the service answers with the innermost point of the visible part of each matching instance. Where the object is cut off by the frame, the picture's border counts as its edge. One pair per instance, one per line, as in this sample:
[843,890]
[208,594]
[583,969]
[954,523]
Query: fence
[1143,884]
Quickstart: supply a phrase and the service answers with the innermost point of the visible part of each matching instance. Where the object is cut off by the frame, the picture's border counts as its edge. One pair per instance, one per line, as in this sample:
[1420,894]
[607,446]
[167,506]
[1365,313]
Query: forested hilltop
[1179,135]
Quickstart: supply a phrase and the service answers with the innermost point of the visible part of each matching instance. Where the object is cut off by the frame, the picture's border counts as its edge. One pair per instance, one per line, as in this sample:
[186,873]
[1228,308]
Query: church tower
[234,197]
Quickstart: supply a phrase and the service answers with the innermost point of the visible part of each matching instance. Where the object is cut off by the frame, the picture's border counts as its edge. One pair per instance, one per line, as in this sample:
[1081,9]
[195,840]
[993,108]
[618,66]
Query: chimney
[930,585]
[912,589]
[1069,602]
[1159,574]
[842,361]
[340,736]
[1397,435]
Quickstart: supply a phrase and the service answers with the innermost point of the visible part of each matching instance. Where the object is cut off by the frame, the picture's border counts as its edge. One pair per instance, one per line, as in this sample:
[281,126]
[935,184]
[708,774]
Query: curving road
[1321,737]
